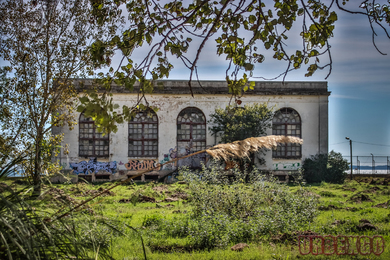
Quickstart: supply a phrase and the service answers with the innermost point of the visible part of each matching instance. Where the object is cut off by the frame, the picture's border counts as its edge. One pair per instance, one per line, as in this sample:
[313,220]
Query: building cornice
[220,87]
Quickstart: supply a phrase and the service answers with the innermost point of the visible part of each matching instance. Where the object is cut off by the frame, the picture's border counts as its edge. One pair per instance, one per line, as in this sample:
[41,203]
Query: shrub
[322,167]
[237,210]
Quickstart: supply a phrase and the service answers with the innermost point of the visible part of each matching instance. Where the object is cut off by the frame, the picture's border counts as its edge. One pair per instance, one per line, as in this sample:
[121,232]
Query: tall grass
[28,233]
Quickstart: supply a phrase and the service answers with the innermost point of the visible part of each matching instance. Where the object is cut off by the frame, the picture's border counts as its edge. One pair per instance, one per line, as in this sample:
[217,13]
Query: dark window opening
[143,135]
[91,142]
[151,177]
[191,136]
[82,178]
[102,177]
[287,122]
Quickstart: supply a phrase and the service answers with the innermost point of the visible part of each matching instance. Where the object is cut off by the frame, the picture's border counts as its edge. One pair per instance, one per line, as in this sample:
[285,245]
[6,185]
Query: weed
[327,194]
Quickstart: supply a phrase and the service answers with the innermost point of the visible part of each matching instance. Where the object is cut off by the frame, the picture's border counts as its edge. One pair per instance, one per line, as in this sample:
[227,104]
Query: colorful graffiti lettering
[287,166]
[172,153]
[138,165]
[93,165]
[167,157]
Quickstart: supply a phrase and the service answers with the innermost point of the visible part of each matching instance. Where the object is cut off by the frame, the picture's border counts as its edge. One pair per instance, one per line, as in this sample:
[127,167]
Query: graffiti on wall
[167,157]
[93,165]
[139,165]
[292,166]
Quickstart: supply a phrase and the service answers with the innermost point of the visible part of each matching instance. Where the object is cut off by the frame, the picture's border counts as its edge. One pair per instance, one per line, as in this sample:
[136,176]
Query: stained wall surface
[309,99]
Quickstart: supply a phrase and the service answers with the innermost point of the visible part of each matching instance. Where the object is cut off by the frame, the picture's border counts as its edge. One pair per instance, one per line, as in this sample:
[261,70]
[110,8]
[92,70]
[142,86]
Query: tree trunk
[37,170]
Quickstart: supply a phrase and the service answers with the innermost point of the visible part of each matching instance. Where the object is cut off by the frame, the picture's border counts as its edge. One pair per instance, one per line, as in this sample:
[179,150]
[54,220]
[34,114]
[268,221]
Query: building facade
[180,127]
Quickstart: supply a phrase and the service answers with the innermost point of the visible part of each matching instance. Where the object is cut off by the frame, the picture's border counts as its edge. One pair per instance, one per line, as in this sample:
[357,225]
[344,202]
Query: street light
[350,146]
[373,163]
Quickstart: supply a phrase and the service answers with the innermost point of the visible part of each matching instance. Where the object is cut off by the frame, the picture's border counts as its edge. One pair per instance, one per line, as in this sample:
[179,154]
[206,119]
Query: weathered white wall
[313,110]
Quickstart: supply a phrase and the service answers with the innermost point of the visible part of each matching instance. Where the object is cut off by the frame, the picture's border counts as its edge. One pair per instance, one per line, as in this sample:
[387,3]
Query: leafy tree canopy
[45,43]
[330,168]
[243,31]
[238,123]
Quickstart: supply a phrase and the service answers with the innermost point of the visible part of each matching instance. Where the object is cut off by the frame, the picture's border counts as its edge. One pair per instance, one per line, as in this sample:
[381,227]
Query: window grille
[191,130]
[143,135]
[287,122]
[91,142]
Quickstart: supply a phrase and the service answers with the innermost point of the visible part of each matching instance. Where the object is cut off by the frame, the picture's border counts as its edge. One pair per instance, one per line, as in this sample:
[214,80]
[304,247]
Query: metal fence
[369,164]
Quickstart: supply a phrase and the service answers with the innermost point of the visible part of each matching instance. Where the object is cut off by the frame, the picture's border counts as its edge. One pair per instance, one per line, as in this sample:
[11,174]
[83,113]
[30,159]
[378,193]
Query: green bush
[236,210]
[322,167]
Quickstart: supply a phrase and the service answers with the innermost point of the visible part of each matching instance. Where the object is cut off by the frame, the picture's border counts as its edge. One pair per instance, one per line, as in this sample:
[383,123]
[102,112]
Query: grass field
[163,216]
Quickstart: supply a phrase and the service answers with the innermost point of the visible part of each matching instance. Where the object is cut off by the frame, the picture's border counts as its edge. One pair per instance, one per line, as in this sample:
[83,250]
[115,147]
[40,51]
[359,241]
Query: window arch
[143,135]
[191,130]
[287,122]
[91,142]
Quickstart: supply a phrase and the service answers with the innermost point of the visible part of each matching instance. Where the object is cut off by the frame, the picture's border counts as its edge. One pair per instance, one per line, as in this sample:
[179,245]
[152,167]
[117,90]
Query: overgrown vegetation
[231,209]
[323,167]
[172,218]
[31,232]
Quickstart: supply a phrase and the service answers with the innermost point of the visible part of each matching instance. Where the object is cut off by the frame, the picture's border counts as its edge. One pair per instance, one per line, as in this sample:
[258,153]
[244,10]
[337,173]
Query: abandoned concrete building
[180,127]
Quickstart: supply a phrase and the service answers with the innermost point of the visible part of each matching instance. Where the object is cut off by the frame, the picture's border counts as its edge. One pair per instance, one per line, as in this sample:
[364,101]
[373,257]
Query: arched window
[191,129]
[143,135]
[91,142]
[287,122]
[191,136]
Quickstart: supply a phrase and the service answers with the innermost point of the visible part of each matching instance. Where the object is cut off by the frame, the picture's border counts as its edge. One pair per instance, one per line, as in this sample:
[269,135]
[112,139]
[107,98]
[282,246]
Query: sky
[359,104]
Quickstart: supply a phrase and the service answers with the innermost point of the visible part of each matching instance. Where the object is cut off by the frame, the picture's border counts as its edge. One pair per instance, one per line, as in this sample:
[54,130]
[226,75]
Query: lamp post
[373,164]
[350,146]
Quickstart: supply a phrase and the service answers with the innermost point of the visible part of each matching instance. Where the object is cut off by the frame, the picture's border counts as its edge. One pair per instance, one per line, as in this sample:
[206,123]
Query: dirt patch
[179,211]
[180,195]
[171,199]
[329,207]
[143,198]
[58,195]
[383,205]
[379,181]
[363,220]
[161,188]
[338,222]
[140,198]
[172,248]
[372,190]
[359,198]
[292,237]
[352,209]
[239,247]
[124,201]
[348,188]
[366,226]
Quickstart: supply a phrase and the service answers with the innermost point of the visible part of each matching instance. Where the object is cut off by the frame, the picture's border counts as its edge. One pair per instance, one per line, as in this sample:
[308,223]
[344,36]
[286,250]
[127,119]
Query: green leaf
[84,99]
[248,66]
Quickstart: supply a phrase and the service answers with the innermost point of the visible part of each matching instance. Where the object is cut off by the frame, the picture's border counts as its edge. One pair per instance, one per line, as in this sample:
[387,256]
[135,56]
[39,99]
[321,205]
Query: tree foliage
[245,32]
[238,123]
[45,43]
[323,167]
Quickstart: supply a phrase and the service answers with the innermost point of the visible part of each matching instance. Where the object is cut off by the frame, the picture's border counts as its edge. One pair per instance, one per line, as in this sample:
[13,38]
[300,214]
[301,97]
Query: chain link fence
[369,164]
